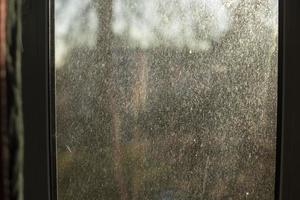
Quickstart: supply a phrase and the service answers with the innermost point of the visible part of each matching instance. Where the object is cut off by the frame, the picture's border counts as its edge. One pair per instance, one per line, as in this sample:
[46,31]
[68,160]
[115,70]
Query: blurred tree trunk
[139,95]
[104,53]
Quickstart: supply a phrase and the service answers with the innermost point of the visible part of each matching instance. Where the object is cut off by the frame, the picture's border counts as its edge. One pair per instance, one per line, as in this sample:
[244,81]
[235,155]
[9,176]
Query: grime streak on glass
[166,99]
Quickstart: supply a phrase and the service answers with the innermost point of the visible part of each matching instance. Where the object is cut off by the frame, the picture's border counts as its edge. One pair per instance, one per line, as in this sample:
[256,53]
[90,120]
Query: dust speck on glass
[166,99]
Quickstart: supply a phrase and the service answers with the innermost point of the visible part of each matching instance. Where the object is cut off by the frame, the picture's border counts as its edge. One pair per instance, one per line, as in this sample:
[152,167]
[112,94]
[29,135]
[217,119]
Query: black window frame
[39,109]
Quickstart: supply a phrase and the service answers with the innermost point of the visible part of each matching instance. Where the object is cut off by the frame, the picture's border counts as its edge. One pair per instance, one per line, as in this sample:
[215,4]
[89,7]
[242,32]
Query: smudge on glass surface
[166,99]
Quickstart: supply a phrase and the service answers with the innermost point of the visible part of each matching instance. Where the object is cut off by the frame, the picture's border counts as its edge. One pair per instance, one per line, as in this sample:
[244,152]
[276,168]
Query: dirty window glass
[166,99]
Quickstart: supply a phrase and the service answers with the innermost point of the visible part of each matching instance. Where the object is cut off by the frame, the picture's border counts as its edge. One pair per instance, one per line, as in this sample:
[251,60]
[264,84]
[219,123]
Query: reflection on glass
[166,99]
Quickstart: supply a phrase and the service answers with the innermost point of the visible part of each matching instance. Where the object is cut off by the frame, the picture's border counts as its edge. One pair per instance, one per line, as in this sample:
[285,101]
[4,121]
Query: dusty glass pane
[166,99]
